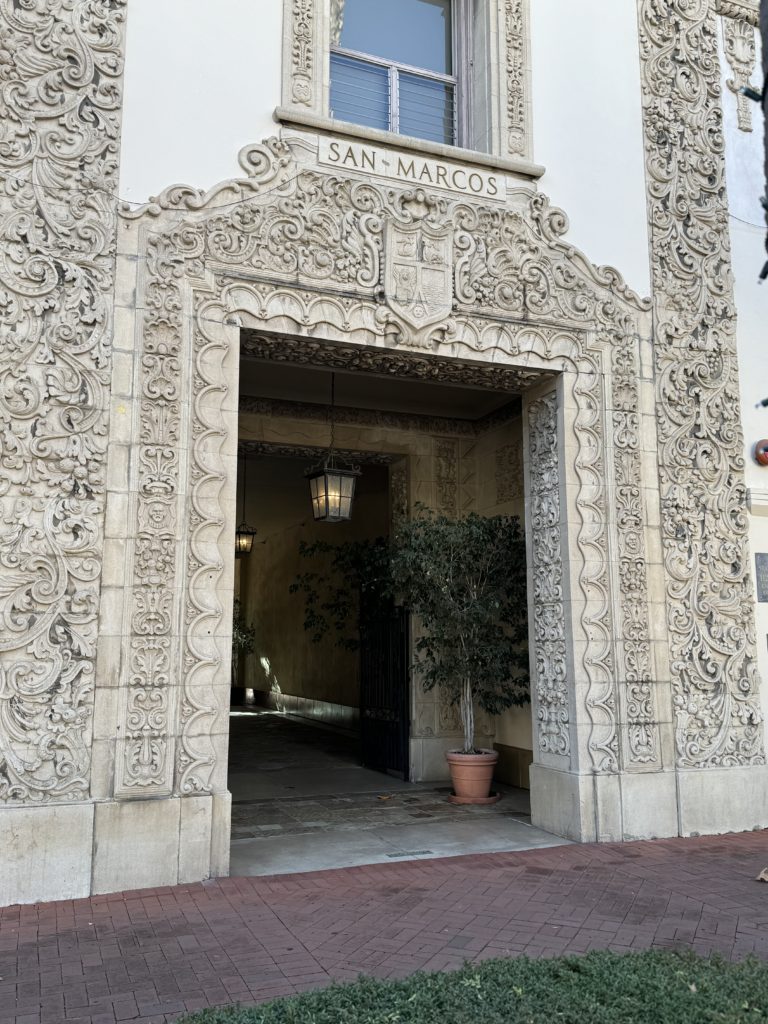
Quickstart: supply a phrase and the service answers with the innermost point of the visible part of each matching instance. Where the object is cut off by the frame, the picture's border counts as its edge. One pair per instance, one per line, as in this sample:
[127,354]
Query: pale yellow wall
[277,503]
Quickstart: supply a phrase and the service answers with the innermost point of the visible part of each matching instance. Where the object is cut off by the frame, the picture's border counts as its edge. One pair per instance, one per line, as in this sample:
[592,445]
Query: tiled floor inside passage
[303,802]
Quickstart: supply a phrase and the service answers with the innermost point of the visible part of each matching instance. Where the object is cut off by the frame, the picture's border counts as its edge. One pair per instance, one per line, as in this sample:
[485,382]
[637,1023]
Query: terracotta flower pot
[471,775]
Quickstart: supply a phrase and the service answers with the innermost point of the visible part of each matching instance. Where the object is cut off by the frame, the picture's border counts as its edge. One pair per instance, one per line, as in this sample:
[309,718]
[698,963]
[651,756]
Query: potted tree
[465,578]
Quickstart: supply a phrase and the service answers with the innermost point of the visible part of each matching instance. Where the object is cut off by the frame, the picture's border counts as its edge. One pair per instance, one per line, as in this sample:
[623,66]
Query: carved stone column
[58,204]
[719,745]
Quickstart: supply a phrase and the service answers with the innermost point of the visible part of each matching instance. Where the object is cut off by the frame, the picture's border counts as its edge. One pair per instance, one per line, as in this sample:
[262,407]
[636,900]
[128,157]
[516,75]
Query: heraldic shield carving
[418,282]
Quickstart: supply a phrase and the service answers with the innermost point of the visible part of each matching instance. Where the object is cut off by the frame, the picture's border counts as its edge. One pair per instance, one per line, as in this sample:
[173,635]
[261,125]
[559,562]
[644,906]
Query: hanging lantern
[244,539]
[332,487]
[244,533]
[331,490]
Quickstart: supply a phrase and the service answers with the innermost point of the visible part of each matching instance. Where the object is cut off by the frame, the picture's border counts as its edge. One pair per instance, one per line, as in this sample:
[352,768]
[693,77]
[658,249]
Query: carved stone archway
[308,259]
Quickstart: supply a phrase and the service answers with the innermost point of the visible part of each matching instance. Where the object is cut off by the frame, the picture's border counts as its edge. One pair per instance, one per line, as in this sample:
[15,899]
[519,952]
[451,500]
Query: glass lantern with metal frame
[244,533]
[332,486]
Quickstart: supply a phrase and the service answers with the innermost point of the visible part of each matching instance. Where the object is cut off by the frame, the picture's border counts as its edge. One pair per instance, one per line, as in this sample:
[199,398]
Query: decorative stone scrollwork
[146,764]
[743,10]
[642,739]
[58,176]
[549,643]
[508,462]
[515,26]
[511,270]
[704,520]
[741,53]
[302,52]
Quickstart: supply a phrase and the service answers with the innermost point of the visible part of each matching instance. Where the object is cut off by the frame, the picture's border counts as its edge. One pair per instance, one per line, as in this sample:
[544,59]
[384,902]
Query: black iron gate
[384,690]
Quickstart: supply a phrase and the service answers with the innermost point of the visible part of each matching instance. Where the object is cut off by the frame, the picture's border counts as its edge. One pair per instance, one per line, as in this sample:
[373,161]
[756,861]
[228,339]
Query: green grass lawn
[601,988]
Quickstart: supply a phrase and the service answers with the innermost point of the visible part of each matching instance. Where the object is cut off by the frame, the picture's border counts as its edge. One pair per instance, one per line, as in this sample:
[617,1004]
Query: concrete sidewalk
[149,956]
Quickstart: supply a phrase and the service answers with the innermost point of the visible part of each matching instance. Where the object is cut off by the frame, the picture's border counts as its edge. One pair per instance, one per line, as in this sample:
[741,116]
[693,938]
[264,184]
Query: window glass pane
[415,32]
[359,92]
[426,108]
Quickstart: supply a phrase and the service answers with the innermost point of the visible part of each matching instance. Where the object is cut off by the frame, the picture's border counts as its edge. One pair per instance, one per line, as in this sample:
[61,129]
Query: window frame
[461,57]
[493,73]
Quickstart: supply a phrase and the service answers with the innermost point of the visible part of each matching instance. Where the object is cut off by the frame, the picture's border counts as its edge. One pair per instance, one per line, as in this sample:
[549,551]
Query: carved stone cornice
[312,453]
[742,10]
[308,352]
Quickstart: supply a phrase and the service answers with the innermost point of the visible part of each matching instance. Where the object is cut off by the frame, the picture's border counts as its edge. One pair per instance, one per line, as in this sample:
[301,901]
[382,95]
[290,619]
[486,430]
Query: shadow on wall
[286,670]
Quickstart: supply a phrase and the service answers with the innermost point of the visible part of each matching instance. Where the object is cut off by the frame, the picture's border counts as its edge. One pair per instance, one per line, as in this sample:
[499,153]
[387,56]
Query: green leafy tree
[354,575]
[466,580]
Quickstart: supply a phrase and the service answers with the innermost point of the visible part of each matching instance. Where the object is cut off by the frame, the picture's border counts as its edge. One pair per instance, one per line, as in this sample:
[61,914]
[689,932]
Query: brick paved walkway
[148,956]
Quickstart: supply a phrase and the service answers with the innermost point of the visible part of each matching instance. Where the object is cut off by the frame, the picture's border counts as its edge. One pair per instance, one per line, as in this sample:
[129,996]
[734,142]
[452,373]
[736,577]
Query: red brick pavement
[149,956]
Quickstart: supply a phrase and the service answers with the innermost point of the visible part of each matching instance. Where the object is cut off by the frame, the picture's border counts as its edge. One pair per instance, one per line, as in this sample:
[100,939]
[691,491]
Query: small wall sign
[761,573]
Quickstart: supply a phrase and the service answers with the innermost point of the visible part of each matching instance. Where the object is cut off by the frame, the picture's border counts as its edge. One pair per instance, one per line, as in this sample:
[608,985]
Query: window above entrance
[393,66]
[420,75]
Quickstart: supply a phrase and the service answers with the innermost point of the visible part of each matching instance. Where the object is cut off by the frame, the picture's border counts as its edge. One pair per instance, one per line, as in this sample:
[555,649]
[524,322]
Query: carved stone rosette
[704,520]
[58,178]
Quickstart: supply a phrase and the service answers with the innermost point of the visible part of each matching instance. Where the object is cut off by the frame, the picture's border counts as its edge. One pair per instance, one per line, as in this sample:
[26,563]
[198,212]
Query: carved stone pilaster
[550,684]
[641,745]
[60,131]
[145,753]
[516,49]
[703,498]
[740,49]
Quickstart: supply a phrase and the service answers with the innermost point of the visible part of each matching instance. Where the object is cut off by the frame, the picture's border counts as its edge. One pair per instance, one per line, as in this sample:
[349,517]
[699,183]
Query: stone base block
[718,800]
[78,850]
[562,803]
[604,808]
[45,853]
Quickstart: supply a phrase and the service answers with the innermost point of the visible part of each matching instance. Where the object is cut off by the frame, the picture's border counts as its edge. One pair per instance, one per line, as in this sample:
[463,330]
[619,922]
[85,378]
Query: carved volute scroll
[61,67]
[704,520]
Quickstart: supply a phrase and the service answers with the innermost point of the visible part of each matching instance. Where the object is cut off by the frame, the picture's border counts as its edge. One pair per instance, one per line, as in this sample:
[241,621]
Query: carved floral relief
[60,117]
[703,499]
[550,681]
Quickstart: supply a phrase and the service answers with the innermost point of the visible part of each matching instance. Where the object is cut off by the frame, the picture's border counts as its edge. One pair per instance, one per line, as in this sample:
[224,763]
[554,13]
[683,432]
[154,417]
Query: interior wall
[285,661]
[500,490]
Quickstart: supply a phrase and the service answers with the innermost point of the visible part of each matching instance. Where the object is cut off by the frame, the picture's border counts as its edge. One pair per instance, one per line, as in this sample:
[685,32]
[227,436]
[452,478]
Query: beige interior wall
[285,660]
[500,491]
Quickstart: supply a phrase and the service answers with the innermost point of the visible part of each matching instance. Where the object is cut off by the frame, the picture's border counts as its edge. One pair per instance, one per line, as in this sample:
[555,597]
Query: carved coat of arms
[418,282]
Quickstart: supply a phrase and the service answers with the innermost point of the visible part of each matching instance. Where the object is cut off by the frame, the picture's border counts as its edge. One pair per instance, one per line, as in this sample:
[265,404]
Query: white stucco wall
[744,168]
[201,81]
[587,127]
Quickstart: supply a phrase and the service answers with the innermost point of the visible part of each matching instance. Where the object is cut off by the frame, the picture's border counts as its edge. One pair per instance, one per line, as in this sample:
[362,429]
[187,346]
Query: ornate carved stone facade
[58,175]
[296,261]
[703,499]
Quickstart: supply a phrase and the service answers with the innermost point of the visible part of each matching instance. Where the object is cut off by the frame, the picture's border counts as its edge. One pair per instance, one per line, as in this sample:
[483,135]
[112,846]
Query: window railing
[393,97]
